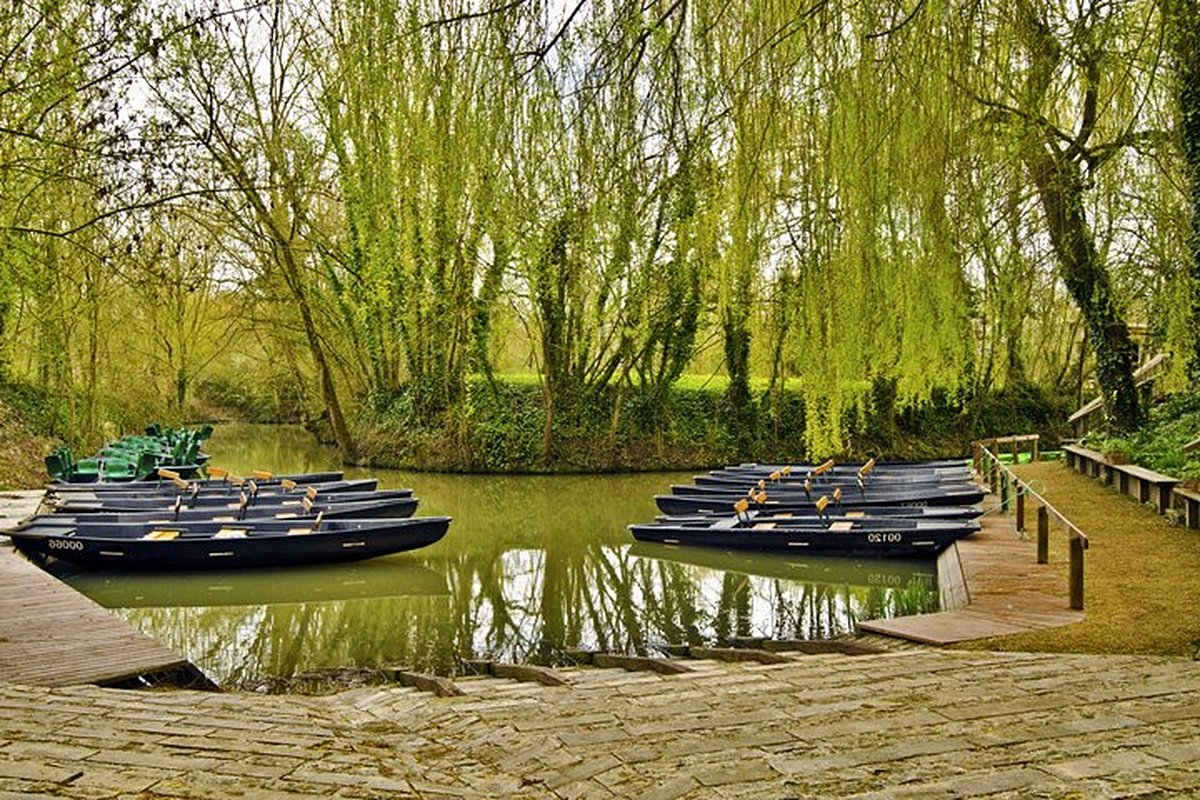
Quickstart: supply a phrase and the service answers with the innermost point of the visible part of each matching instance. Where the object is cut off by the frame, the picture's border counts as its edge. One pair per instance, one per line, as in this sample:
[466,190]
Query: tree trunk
[341,433]
[1184,20]
[1060,189]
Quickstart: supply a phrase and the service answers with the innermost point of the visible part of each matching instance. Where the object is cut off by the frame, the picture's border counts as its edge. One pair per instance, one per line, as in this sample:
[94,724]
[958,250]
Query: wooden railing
[1014,444]
[1012,491]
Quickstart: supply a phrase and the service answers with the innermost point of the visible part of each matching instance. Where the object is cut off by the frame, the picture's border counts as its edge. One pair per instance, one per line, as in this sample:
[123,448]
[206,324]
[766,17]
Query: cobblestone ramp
[926,724]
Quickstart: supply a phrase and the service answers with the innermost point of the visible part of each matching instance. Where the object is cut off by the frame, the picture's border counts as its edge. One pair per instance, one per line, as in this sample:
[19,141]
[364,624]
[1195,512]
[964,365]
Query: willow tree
[1066,104]
[181,321]
[418,110]
[236,101]
[753,75]
[866,210]
[614,171]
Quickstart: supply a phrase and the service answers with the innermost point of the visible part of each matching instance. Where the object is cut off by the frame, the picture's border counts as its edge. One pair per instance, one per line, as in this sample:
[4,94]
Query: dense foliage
[858,214]
[503,426]
[1159,444]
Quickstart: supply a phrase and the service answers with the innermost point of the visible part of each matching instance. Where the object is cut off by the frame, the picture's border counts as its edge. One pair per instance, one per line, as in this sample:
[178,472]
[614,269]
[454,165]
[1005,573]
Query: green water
[533,566]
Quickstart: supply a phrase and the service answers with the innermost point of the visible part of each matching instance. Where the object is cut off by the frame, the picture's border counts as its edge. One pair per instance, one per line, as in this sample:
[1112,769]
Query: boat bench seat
[162,535]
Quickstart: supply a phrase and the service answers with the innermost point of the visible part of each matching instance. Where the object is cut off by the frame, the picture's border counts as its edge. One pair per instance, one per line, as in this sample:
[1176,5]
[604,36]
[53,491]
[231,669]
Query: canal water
[532,568]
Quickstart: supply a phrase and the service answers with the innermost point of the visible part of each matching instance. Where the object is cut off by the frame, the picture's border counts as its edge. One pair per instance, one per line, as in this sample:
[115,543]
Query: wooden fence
[1013,492]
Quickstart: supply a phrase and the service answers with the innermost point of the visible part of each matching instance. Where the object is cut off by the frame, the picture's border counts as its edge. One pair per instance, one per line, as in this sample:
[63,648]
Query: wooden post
[1020,509]
[1043,547]
[995,475]
[1078,545]
[1037,447]
[1003,490]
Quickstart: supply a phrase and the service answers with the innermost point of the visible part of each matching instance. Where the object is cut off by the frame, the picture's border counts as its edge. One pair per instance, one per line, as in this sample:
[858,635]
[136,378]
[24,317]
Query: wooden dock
[1007,591]
[51,635]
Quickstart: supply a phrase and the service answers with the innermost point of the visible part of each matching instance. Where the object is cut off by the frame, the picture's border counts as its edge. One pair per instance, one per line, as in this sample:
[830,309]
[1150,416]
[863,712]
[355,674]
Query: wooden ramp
[1009,592]
[51,635]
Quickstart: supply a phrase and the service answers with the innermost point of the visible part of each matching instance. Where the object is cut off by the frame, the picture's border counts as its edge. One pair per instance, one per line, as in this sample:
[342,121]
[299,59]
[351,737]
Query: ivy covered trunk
[1060,189]
[1185,43]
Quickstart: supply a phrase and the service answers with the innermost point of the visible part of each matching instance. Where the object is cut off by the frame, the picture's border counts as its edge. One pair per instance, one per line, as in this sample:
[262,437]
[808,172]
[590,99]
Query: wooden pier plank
[1010,592]
[51,635]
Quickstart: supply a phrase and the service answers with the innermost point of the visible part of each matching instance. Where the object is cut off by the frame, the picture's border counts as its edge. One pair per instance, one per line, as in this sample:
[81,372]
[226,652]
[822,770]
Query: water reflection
[532,568]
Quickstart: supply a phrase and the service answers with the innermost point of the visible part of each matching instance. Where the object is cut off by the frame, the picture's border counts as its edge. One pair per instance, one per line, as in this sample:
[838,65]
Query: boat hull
[920,541]
[376,508]
[216,504]
[154,480]
[336,542]
[722,502]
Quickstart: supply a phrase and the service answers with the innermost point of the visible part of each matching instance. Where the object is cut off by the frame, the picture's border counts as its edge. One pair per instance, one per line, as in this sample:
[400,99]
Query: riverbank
[501,427]
[1141,591]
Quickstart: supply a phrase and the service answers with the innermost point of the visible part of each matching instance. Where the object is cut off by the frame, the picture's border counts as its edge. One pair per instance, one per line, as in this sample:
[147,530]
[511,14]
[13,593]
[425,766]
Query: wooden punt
[190,489]
[830,512]
[332,508]
[899,538]
[226,480]
[246,544]
[166,505]
[940,494]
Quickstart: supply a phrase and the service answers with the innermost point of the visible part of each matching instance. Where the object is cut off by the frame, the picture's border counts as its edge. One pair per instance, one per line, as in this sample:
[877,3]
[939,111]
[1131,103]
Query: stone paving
[910,724]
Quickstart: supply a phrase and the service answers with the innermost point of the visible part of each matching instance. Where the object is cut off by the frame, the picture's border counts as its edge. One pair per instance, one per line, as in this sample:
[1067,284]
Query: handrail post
[1043,540]
[1004,490]
[1020,509]
[1078,545]
[994,475]
[1037,448]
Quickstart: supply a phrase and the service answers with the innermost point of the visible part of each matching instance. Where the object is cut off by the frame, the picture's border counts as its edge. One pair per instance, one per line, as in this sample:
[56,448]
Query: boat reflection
[829,570]
[377,578]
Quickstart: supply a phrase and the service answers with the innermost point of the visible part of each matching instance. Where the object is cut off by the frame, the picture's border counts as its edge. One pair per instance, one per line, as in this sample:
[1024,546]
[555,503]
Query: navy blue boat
[904,538]
[215,545]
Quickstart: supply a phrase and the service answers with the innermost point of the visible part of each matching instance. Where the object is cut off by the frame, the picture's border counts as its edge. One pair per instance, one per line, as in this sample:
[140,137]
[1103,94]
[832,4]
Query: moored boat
[767,514]
[219,479]
[166,503]
[686,499]
[185,488]
[825,480]
[879,538]
[945,466]
[212,545]
[393,505]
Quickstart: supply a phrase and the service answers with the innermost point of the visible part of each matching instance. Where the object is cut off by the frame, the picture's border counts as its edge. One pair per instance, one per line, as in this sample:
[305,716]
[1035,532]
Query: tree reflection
[532,568]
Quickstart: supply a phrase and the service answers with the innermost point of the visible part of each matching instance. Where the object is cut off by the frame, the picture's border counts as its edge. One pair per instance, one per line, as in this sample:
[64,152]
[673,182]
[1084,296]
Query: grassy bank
[501,427]
[1140,586]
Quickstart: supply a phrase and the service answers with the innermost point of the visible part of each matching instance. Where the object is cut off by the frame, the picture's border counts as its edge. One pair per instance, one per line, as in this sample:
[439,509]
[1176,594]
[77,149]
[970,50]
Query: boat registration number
[64,544]
[884,538]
